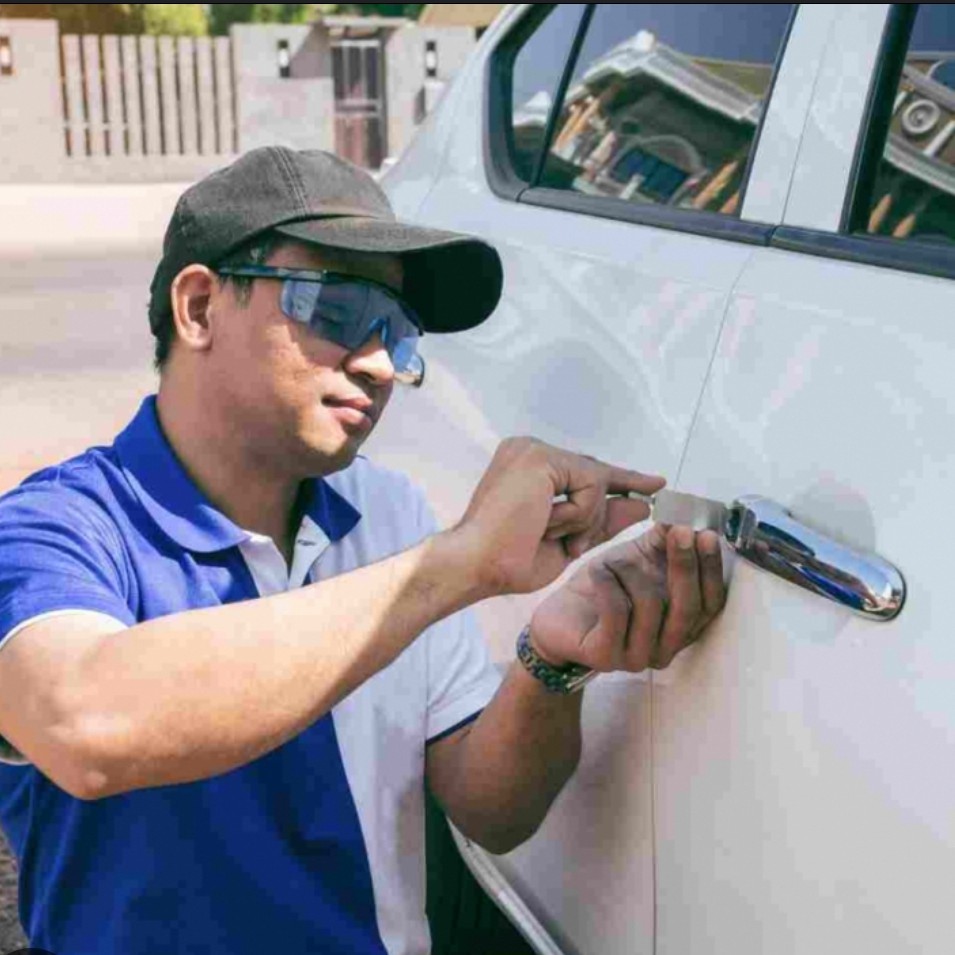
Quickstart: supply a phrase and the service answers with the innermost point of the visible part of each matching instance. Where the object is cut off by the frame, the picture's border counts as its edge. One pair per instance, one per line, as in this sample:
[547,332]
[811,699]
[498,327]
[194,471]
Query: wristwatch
[565,680]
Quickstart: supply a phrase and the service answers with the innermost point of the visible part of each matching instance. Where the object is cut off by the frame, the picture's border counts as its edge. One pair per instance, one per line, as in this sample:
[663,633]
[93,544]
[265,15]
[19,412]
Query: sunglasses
[347,311]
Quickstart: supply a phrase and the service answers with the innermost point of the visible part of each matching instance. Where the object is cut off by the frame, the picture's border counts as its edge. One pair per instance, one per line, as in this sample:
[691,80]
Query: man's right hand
[521,540]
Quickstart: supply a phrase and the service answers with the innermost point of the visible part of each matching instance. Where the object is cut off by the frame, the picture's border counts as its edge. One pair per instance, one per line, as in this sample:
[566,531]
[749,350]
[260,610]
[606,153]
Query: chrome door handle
[767,535]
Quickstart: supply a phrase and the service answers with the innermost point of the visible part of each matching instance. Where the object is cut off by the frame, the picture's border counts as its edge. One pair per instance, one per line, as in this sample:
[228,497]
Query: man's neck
[253,499]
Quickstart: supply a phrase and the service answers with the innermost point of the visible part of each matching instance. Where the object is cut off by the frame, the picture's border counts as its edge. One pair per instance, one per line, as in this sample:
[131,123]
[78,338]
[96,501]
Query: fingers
[645,585]
[639,604]
[619,513]
[518,540]
[641,565]
[639,570]
[711,575]
[603,648]
[686,601]
[580,516]
[653,547]
[622,481]
[696,590]
[591,516]
[622,513]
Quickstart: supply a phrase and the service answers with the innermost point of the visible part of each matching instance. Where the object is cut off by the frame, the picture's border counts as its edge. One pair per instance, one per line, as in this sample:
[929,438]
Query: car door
[606,150]
[803,754]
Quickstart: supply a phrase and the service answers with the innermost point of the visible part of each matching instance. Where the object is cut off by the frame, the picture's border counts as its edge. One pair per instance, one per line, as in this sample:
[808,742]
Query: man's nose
[372,361]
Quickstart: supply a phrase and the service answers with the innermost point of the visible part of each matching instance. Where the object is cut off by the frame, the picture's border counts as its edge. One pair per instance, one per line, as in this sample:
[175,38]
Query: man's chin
[324,461]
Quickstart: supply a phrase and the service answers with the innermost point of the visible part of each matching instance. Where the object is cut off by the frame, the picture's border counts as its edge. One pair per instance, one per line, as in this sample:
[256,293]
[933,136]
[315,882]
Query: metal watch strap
[564,680]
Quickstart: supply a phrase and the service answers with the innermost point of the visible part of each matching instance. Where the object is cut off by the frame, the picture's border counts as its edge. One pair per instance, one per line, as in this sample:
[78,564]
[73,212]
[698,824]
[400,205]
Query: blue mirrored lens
[404,353]
[349,313]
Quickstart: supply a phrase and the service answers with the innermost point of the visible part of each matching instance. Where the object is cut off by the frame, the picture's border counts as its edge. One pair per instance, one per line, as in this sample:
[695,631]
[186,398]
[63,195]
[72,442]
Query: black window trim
[713,225]
[498,93]
[850,244]
[583,28]
[907,255]
[506,184]
[877,117]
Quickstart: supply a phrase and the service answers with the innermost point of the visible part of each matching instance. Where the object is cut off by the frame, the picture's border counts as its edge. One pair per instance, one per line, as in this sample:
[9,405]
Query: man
[232,649]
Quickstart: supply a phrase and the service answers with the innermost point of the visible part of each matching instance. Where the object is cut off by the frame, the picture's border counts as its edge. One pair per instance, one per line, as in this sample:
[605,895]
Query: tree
[80,17]
[411,10]
[223,15]
[174,19]
[190,19]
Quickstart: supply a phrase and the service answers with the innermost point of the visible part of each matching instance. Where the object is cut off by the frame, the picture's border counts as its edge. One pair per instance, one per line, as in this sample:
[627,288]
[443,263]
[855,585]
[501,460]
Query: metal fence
[148,96]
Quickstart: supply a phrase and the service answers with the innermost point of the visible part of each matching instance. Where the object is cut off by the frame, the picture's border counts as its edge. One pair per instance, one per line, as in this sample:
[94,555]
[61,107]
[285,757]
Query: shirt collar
[182,511]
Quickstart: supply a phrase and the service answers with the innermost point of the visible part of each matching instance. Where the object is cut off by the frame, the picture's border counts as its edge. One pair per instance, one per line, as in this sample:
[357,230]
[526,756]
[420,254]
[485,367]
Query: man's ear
[193,291]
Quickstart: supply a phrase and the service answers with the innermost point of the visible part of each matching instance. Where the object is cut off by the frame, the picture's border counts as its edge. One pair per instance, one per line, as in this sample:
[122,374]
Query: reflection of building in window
[647,123]
[530,129]
[638,169]
[915,189]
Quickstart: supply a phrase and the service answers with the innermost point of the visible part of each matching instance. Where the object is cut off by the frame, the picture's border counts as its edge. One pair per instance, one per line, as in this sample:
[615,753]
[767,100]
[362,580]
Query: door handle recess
[767,535]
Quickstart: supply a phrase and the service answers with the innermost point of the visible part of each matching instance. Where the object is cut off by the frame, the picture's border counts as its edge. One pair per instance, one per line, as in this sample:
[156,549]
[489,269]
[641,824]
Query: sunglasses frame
[414,379]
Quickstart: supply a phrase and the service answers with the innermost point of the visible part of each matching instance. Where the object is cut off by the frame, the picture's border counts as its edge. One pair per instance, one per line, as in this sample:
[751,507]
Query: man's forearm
[196,695]
[513,763]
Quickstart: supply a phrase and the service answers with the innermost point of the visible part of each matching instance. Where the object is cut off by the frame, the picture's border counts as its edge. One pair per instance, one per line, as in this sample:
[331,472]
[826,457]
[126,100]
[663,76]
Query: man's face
[302,403]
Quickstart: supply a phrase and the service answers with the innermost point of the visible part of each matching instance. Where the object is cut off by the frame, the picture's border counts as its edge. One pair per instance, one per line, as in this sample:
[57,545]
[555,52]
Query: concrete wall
[147,109]
[410,94]
[119,119]
[32,135]
[299,111]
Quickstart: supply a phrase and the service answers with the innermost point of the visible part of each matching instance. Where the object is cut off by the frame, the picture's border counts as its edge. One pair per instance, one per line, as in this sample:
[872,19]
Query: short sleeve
[461,677]
[57,553]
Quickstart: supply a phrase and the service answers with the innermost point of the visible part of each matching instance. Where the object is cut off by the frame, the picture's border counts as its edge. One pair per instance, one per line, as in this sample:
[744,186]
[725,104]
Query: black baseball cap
[452,281]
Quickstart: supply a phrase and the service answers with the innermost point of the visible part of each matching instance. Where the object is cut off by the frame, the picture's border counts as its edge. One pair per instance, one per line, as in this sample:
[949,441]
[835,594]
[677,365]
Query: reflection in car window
[914,196]
[535,79]
[665,101]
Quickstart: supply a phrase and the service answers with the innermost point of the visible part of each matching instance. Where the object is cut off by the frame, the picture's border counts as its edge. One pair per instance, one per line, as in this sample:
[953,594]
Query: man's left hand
[636,606]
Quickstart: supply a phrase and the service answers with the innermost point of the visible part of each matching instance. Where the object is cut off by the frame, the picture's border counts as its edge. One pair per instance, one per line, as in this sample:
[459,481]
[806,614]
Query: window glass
[535,78]
[914,195]
[665,102]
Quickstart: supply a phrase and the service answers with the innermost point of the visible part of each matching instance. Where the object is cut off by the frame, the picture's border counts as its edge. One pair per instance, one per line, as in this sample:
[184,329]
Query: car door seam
[731,294]
[823,60]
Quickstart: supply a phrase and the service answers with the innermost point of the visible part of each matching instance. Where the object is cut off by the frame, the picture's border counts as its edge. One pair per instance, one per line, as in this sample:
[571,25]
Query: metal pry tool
[686,510]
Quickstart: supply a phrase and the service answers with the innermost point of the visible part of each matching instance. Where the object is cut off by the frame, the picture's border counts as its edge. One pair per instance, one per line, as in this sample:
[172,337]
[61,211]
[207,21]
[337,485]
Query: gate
[148,96]
[357,66]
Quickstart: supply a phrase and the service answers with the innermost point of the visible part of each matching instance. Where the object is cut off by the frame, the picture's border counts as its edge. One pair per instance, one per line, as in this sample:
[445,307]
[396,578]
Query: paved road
[75,266]
[75,353]
[75,361]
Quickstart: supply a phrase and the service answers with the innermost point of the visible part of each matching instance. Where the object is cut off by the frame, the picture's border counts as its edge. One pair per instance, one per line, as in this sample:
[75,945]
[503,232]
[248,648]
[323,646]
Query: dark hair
[256,251]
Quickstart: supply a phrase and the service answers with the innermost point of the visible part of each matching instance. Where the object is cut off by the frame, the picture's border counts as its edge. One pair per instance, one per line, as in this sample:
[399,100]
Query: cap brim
[453,281]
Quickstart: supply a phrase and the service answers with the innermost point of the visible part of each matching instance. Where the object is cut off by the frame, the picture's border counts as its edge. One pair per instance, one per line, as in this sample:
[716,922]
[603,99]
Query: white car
[729,239]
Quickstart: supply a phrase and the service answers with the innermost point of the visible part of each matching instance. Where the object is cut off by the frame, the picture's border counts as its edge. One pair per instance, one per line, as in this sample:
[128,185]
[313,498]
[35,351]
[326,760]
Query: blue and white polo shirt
[318,847]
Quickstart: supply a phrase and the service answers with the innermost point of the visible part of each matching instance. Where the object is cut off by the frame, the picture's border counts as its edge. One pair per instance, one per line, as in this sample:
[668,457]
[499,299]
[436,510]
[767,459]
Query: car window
[914,192]
[665,101]
[539,66]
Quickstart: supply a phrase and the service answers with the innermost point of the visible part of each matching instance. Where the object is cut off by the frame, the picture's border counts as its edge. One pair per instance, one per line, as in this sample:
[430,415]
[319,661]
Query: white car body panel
[839,98]
[785,120]
[802,757]
[803,770]
[784,787]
